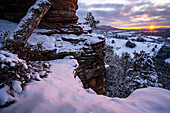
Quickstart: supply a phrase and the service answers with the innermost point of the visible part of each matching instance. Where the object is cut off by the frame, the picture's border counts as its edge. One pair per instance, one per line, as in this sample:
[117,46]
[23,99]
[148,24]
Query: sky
[126,13]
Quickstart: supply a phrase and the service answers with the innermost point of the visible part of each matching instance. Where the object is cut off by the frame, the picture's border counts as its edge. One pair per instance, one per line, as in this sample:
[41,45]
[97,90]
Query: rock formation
[87,49]
[31,20]
[91,68]
[61,13]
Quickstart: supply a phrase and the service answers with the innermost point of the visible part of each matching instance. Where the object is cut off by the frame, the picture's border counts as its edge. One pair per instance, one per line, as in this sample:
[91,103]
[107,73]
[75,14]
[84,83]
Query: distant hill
[105,28]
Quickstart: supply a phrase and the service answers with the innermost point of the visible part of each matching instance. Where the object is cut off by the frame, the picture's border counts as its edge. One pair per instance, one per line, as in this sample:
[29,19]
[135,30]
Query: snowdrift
[62,93]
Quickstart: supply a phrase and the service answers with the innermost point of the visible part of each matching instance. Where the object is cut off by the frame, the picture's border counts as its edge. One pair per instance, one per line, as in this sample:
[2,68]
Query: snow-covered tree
[114,79]
[126,74]
[142,73]
[90,20]
[125,62]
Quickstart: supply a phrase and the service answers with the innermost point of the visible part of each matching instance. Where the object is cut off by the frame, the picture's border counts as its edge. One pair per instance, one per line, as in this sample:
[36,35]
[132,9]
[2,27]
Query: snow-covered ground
[167,60]
[119,46]
[62,93]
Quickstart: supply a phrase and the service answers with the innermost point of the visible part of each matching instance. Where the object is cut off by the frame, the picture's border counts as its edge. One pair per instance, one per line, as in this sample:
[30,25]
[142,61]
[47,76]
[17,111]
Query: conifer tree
[90,20]
[125,62]
[142,73]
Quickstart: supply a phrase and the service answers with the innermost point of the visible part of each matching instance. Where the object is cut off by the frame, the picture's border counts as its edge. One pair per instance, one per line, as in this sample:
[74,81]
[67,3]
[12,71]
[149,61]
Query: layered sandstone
[61,13]
[91,68]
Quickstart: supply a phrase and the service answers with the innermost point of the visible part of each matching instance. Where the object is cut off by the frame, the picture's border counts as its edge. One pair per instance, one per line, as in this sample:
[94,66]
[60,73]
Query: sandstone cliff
[62,12]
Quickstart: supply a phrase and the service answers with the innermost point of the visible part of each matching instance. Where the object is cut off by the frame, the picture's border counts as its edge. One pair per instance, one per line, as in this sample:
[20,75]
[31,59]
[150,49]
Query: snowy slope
[62,93]
[119,46]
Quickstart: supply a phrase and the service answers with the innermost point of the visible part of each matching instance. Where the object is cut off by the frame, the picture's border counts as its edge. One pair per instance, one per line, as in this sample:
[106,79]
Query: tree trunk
[31,20]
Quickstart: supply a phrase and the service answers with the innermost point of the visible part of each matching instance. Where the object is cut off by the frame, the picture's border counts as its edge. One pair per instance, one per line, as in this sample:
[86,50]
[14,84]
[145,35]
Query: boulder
[141,39]
[113,41]
[130,44]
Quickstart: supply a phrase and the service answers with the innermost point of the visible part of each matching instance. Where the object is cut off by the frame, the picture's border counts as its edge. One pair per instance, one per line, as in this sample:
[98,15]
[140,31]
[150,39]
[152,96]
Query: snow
[68,57]
[47,42]
[17,86]
[167,60]
[119,46]
[10,58]
[155,37]
[7,26]
[124,34]
[62,93]
[4,96]
[85,27]
[168,38]
[90,91]
[36,76]
[42,30]
[65,42]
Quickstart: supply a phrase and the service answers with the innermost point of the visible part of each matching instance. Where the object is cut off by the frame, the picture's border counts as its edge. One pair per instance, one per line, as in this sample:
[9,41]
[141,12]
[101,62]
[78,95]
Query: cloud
[106,5]
[134,13]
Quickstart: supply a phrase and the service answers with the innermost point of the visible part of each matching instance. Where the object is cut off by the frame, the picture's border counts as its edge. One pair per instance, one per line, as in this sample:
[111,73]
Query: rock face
[61,13]
[91,68]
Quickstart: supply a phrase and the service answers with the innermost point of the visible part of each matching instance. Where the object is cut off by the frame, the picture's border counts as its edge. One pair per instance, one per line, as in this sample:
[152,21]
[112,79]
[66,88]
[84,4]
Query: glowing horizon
[143,27]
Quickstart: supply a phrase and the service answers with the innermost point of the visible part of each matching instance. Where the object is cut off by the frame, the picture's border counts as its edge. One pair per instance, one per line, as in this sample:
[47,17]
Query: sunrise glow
[144,27]
[151,27]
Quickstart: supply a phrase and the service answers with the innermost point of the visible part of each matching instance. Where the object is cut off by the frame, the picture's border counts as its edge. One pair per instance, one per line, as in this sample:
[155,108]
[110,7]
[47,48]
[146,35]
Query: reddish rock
[61,13]
[92,83]
[86,86]
[93,68]
[101,92]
